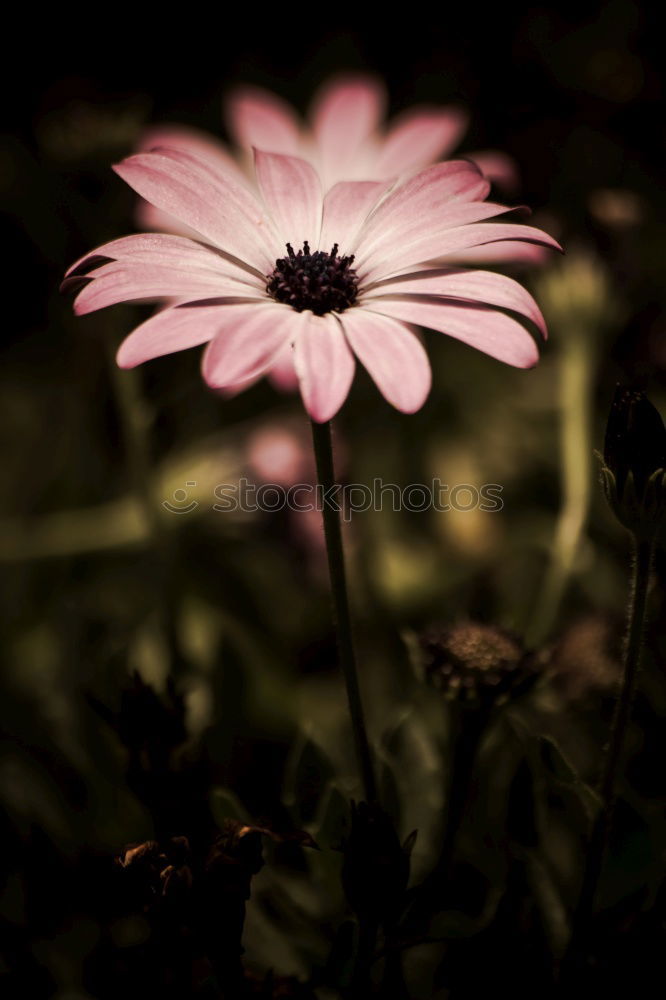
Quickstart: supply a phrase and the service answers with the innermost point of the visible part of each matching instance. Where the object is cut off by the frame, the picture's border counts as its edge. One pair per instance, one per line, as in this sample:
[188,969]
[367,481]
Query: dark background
[237,611]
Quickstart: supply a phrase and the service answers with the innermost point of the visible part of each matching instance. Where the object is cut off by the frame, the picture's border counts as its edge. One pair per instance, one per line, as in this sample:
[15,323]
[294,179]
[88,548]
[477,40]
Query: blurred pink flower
[359,278]
[344,140]
[280,454]
[344,137]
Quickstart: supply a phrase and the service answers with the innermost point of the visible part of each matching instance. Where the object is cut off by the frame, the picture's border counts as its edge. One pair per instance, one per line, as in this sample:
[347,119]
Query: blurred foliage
[167,672]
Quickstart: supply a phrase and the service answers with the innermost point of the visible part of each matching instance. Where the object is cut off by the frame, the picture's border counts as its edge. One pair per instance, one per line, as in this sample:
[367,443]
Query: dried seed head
[472,662]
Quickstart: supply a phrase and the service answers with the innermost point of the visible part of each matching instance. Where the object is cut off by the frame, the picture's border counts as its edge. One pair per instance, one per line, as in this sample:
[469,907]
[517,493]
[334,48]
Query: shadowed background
[196,645]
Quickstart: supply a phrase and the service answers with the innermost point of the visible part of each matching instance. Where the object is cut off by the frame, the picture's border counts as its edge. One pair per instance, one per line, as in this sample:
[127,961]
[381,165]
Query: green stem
[468,733]
[321,438]
[466,737]
[393,986]
[575,437]
[601,832]
[360,987]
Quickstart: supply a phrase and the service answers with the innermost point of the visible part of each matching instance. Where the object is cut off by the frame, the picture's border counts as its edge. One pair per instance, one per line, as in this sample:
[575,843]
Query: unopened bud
[634,462]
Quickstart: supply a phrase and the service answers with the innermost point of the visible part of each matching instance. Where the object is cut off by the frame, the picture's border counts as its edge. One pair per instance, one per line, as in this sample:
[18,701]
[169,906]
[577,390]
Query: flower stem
[614,755]
[576,369]
[468,733]
[321,438]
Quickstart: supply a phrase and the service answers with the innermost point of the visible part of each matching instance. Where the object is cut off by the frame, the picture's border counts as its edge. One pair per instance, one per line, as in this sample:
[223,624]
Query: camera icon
[179,502]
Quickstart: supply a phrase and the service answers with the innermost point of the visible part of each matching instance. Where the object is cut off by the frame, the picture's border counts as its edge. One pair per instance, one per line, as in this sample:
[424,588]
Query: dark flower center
[320,281]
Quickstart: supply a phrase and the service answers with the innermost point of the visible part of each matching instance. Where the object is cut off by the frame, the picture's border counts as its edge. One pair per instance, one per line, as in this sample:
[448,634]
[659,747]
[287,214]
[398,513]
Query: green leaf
[389,789]
[456,925]
[332,820]
[343,955]
[564,773]
[410,840]
[308,773]
[551,907]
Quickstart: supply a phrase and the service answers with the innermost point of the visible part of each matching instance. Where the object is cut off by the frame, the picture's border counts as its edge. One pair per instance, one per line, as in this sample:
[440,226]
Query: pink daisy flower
[330,279]
[344,138]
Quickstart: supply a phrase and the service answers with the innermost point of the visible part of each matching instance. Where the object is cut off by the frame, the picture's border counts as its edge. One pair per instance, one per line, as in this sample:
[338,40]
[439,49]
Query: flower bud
[634,469]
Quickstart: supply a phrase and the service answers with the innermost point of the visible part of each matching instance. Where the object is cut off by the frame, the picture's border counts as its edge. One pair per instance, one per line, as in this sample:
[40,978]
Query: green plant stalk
[574,399]
[323,449]
[467,733]
[603,826]
[393,985]
[360,988]
[467,736]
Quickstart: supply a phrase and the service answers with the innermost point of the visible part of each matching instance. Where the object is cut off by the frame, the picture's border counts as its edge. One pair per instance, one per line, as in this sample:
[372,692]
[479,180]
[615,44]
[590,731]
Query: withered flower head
[472,663]
[142,855]
[158,870]
[236,856]
[634,469]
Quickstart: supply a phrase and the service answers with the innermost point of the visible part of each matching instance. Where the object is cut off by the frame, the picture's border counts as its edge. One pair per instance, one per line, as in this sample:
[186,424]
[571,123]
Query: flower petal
[474,286]
[223,211]
[346,111]
[119,282]
[257,118]
[439,245]
[499,168]
[172,330]
[248,340]
[483,328]
[155,267]
[409,232]
[446,195]
[283,373]
[505,252]
[394,356]
[427,193]
[419,137]
[195,142]
[192,141]
[148,217]
[292,193]
[346,207]
[165,250]
[325,365]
